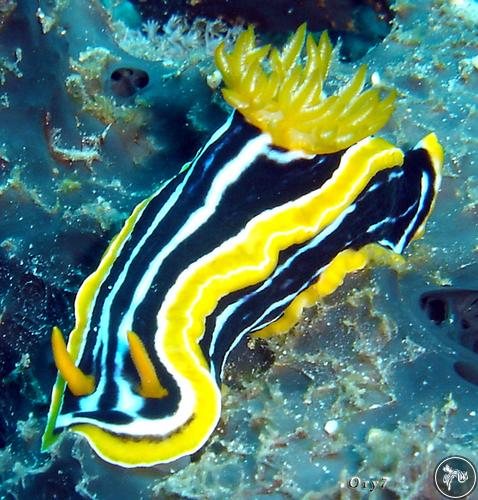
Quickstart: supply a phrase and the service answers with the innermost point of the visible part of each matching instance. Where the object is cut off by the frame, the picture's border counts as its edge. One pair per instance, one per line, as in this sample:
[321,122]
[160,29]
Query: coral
[63,115]
[10,67]
[50,20]
[178,43]
[361,24]
[90,145]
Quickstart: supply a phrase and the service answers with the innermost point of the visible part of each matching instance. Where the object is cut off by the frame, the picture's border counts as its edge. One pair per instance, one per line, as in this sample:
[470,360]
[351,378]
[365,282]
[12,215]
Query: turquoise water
[366,385]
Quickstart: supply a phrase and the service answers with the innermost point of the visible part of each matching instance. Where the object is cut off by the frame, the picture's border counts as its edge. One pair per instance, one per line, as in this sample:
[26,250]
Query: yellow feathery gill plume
[283,96]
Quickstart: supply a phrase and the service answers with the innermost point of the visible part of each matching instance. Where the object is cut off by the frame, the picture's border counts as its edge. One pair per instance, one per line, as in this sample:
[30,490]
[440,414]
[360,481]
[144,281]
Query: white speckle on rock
[331,427]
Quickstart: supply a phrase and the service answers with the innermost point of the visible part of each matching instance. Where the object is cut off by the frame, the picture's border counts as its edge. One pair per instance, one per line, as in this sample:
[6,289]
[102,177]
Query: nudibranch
[288,196]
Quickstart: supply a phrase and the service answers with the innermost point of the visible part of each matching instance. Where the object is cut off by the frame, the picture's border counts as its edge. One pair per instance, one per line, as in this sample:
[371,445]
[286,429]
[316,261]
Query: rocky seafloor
[365,385]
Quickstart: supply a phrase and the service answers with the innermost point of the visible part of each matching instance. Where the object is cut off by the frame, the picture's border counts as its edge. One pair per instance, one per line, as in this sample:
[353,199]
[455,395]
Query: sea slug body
[287,197]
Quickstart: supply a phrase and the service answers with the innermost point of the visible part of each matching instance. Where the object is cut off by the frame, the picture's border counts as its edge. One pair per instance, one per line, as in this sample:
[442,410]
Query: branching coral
[284,97]
[89,152]
[178,42]
[8,66]
[48,21]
